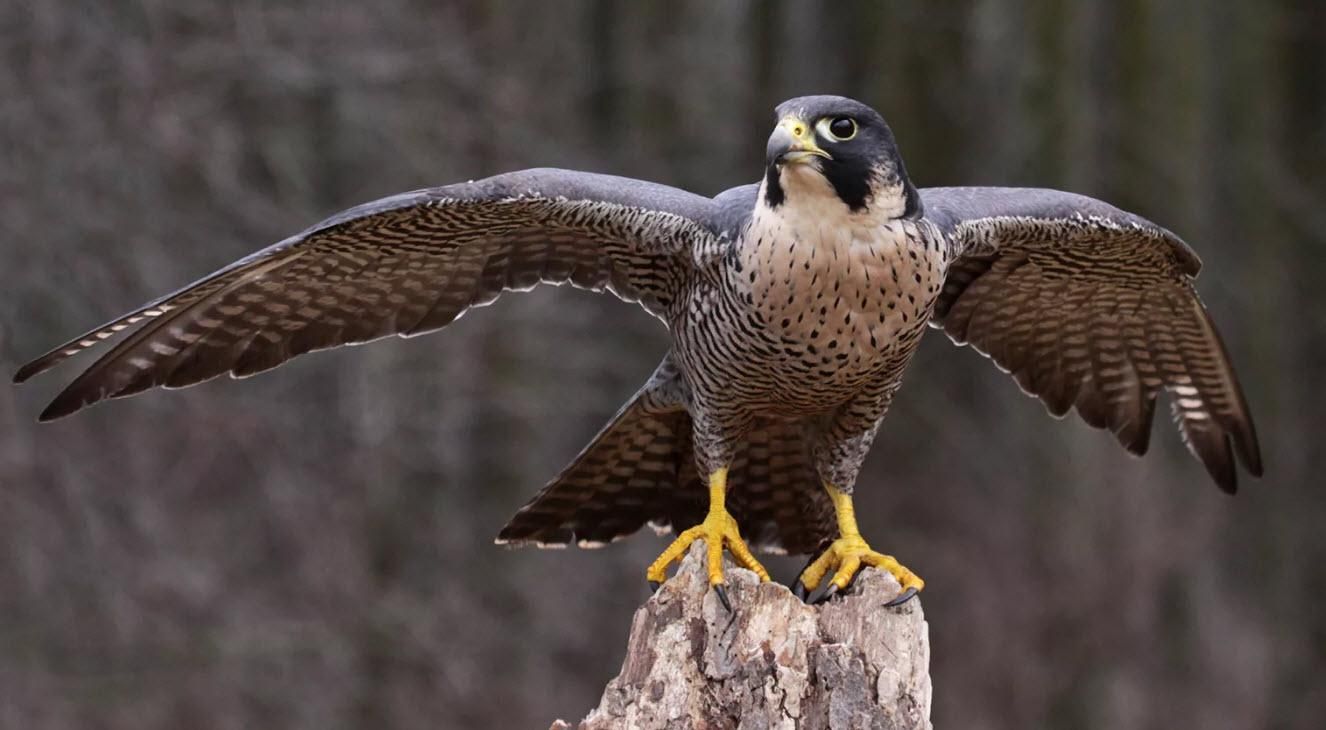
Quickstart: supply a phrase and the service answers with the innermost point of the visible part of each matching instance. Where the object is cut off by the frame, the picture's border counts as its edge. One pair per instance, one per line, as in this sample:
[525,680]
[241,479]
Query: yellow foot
[718,530]
[846,555]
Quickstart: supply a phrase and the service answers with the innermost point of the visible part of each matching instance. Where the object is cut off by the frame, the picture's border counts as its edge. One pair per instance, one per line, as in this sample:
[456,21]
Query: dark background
[312,548]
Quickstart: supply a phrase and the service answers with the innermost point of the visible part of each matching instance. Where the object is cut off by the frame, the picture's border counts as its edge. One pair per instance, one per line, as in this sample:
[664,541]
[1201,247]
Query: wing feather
[404,265]
[1091,308]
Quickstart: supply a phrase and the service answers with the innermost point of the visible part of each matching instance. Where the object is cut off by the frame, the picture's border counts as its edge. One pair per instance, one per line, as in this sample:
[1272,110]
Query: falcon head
[838,148]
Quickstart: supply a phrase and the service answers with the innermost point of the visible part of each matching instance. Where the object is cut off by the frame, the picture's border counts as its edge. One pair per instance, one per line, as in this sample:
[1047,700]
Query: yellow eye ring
[837,129]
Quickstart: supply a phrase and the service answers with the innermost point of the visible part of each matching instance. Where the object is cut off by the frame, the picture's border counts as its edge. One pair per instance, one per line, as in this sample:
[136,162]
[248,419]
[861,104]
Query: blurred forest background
[312,548]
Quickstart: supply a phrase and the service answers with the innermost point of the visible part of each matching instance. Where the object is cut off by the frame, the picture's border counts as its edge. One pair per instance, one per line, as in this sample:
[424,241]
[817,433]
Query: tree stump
[774,662]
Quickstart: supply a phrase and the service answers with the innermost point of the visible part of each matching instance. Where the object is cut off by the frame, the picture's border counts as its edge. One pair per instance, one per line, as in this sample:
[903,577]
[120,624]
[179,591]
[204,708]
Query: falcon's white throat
[805,185]
[812,207]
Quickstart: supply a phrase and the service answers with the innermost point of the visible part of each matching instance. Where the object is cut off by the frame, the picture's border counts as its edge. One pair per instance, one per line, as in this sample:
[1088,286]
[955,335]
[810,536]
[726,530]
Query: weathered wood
[772,663]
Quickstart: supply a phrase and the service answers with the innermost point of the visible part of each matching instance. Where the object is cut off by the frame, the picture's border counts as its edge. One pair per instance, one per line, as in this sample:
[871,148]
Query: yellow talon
[718,530]
[849,552]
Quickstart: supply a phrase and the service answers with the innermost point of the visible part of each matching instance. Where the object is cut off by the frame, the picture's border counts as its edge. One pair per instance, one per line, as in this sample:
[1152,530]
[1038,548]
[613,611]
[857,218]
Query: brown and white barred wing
[1092,308]
[403,265]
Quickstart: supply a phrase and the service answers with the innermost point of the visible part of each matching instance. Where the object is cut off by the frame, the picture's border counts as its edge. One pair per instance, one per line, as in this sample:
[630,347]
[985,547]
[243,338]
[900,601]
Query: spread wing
[1093,308]
[402,265]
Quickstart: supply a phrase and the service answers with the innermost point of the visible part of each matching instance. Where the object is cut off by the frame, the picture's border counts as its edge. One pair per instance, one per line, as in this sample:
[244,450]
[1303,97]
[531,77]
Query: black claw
[829,593]
[722,596]
[904,597]
[654,586]
[799,588]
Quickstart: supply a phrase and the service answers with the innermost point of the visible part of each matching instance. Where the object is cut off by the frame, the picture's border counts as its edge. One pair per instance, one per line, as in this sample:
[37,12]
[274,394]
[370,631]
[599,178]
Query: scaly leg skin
[847,554]
[717,530]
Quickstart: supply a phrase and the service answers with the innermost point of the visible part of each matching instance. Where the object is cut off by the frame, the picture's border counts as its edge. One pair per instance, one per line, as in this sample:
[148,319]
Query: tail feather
[621,481]
[640,470]
[775,492]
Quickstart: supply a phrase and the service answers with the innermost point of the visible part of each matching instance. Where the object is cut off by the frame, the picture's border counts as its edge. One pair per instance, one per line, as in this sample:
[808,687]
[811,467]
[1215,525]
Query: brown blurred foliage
[311,548]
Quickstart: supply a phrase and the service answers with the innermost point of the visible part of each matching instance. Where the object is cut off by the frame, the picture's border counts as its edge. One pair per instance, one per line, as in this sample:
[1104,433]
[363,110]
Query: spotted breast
[846,293]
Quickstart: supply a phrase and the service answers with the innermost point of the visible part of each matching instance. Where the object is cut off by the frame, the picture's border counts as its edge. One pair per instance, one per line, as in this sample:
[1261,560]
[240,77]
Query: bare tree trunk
[772,663]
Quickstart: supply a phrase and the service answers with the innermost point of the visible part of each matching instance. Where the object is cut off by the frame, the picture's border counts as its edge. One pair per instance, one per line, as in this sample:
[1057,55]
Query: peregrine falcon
[794,306]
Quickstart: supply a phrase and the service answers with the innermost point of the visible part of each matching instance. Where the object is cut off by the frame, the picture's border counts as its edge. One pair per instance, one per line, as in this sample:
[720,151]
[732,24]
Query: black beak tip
[780,143]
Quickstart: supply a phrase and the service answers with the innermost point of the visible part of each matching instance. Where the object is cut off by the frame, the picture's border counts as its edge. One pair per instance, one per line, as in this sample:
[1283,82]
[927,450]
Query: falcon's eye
[838,129]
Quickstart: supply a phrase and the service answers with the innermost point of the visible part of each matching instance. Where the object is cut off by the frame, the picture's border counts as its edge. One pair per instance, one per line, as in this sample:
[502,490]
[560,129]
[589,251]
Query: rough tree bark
[772,663]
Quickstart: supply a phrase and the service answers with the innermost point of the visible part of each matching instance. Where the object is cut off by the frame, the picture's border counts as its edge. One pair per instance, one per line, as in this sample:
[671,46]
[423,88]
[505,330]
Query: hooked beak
[792,142]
